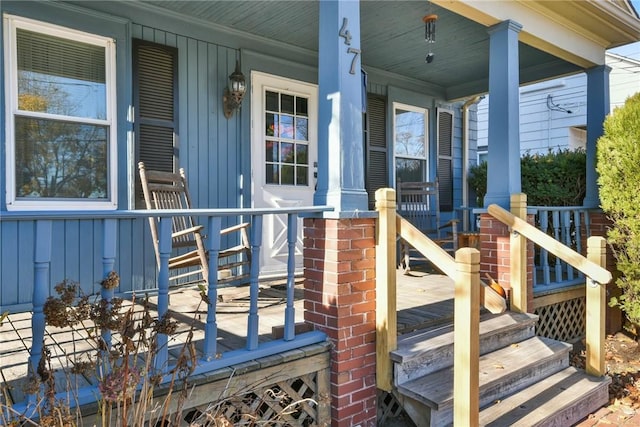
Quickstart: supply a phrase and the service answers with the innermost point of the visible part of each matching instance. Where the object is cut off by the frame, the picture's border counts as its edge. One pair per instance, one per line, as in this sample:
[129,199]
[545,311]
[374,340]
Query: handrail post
[518,257]
[466,338]
[596,305]
[386,316]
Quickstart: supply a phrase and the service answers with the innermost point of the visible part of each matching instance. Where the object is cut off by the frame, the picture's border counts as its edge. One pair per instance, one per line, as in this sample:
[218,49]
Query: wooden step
[423,352]
[560,400]
[502,372]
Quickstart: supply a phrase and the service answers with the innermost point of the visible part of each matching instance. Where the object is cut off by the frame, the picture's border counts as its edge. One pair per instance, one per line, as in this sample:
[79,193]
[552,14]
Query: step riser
[442,357]
[588,404]
[492,392]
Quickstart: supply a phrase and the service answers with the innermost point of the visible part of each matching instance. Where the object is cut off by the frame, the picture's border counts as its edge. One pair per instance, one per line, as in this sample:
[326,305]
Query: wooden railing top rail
[159,213]
[573,258]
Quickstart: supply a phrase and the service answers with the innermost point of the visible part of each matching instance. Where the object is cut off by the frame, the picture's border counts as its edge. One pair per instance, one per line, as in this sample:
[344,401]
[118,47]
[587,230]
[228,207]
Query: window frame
[415,109]
[11,24]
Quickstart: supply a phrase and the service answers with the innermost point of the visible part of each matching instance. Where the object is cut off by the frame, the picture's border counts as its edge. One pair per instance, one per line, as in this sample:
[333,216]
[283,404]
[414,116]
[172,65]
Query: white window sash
[11,24]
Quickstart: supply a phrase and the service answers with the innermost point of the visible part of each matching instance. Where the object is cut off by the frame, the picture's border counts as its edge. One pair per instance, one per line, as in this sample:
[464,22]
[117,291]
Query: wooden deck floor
[423,300]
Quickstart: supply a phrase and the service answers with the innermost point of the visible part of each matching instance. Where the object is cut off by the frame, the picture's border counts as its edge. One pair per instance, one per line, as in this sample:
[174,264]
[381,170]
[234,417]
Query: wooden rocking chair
[418,202]
[189,264]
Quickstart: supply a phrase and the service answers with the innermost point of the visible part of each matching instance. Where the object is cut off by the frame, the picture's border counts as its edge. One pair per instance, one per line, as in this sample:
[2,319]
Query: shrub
[552,179]
[618,163]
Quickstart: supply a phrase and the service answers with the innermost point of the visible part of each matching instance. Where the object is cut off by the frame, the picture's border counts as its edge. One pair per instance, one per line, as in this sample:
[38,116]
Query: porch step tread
[501,372]
[559,400]
[413,344]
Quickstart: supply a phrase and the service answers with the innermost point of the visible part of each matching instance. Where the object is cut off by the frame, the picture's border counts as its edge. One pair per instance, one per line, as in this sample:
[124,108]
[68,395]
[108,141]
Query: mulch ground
[622,363]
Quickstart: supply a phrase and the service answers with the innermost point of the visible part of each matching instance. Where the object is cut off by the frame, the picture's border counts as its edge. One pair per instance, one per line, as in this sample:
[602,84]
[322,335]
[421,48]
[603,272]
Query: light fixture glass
[234,92]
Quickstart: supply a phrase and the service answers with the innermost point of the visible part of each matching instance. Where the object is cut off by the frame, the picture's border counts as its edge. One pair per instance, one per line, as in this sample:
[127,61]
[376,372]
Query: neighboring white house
[553,113]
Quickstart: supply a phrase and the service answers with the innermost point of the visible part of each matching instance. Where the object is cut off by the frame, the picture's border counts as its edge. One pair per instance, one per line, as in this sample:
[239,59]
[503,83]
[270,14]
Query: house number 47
[346,34]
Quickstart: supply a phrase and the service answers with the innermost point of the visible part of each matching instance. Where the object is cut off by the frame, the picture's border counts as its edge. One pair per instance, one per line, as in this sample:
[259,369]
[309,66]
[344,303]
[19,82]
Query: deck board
[423,299]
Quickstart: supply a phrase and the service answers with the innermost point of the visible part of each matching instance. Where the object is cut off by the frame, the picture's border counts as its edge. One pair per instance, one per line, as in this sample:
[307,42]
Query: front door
[284,156]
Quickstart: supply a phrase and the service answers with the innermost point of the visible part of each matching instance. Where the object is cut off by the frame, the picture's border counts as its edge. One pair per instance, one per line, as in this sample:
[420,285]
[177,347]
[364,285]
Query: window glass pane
[271,154]
[287,154]
[302,108]
[302,175]
[286,104]
[410,170]
[409,133]
[60,76]
[287,175]
[302,129]
[272,101]
[286,126]
[272,174]
[61,160]
[271,123]
[302,154]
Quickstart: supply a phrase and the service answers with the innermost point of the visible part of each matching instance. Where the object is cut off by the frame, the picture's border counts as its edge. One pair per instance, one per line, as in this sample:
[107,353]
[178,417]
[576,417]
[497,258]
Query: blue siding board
[72,252]
[86,249]
[215,110]
[189,159]
[203,127]
[9,256]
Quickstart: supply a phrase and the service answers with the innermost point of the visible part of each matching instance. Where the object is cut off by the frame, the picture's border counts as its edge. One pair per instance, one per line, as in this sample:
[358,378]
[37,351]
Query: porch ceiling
[392,38]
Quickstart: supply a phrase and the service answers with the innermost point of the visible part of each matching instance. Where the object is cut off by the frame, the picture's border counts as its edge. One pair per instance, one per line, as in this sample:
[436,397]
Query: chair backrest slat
[167,190]
[418,203]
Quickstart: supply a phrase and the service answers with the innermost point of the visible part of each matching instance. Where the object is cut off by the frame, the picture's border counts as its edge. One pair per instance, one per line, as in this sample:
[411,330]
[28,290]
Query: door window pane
[286,139]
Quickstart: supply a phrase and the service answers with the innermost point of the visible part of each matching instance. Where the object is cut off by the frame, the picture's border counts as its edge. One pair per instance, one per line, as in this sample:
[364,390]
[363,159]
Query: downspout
[465,156]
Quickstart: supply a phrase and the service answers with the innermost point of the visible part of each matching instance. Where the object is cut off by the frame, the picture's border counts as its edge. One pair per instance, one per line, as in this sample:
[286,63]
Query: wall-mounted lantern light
[430,34]
[234,92]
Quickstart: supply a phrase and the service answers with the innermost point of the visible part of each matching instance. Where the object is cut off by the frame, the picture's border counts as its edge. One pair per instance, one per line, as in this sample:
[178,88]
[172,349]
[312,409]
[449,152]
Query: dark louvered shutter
[376,138]
[445,159]
[155,102]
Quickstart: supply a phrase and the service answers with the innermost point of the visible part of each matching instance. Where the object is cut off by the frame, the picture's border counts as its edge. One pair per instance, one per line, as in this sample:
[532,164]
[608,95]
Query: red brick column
[495,254]
[339,261]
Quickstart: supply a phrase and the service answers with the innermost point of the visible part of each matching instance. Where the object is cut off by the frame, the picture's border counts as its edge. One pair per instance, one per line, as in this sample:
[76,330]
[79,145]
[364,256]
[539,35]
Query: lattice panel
[286,403]
[388,407]
[564,321]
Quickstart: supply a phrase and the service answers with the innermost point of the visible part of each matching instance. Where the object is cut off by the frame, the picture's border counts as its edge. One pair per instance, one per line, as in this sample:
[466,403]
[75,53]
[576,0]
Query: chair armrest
[189,230]
[234,228]
[451,223]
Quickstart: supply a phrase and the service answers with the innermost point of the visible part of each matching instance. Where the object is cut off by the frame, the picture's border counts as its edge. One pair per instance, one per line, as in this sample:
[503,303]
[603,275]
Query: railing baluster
[42,262]
[290,311]
[211,327]
[555,223]
[256,242]
[109,243]
[577,222]
[566,233]
[164,244]
[544,255]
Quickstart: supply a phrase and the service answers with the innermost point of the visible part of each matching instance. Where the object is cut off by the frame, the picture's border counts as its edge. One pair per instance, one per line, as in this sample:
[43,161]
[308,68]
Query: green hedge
[618,164]
[552,179]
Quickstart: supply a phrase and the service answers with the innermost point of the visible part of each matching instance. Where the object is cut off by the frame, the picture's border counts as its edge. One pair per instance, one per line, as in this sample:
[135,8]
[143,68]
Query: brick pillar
[599,226]
[339,261]
[495,255]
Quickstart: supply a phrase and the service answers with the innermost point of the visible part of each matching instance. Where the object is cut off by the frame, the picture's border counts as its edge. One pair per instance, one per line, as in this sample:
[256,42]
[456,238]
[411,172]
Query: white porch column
[340,147]
[598,105]
[503,176]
